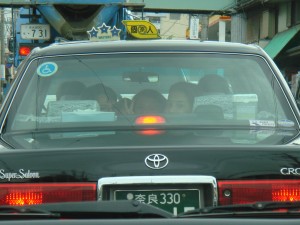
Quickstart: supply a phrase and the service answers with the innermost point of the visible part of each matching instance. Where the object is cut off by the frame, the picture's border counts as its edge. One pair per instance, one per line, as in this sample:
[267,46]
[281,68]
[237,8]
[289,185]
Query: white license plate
[35,31]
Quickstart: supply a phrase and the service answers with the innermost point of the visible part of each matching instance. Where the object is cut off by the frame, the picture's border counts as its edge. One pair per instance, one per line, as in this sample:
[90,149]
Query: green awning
[280,40]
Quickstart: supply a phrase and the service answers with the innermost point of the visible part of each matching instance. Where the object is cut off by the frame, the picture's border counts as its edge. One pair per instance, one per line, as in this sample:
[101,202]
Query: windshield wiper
[244,210]
[99,209]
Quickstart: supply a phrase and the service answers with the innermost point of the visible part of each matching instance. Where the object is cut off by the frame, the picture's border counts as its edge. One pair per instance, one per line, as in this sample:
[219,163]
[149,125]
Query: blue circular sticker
[47,69]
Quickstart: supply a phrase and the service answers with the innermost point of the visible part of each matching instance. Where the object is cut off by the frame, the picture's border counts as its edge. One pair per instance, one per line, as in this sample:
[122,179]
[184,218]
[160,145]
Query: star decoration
[115,31]
[93,32]
[104,28]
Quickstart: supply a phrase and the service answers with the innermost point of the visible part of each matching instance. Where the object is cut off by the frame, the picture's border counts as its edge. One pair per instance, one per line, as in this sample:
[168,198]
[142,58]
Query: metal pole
[2,57]
[222,30]
[204,27]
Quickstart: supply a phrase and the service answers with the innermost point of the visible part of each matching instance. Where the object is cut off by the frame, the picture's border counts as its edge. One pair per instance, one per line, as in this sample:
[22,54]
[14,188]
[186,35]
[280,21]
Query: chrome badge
[156,161]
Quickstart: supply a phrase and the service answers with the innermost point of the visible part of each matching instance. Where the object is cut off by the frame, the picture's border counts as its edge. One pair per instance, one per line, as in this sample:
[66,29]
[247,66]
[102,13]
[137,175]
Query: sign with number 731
[35,31]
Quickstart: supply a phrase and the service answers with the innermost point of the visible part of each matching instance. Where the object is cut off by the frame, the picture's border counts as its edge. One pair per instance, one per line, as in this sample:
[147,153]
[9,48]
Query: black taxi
[181,125]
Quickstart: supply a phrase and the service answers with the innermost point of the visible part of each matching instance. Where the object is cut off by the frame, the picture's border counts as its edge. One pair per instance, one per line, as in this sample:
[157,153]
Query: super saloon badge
[21,174]
[156,161]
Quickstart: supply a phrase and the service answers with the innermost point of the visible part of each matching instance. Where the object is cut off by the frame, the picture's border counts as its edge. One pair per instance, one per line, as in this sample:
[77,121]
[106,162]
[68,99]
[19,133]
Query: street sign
[194,27]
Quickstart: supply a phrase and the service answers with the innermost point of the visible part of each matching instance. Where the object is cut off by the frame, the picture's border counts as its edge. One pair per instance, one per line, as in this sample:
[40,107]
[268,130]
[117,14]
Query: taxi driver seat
[209,112]
[214,107]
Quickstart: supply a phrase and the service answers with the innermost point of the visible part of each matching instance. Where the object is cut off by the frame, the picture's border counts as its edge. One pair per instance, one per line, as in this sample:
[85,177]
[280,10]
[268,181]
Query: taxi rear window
[186,89]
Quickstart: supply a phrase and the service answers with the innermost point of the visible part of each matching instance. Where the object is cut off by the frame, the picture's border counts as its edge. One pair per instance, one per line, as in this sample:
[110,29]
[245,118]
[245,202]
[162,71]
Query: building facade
[275,26]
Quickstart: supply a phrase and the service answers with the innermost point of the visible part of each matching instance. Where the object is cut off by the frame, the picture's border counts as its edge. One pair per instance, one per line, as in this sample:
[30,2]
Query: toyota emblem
[156,161]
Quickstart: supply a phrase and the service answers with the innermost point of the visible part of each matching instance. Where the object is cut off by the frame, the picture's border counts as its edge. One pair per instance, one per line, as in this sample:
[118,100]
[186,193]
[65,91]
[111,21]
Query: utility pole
[204,19]
[2,56]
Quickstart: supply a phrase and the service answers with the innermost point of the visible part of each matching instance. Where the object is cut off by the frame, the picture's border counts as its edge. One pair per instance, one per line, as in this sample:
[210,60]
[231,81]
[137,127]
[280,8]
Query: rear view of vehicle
[179,125]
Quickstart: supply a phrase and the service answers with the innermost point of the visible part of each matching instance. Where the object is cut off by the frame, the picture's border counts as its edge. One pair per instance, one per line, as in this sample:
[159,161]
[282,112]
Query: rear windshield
[125,99]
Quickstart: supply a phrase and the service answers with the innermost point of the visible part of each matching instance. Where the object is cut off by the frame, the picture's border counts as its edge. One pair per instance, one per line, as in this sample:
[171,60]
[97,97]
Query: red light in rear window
[24,50]
[150,132]
[31,194]
[150,120]
[250,191]
[146,120]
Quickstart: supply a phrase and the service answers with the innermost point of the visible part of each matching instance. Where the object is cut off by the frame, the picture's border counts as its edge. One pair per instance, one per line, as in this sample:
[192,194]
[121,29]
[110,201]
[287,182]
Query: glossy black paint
[92,164]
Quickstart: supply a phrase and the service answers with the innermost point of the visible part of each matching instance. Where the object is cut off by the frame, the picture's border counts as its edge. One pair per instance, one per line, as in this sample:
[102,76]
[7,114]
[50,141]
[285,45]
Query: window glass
[89,96]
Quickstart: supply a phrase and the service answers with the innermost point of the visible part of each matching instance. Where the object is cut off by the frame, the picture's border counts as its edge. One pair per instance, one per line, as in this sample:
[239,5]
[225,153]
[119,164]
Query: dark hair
[150,93]
[70,88]
[189,89]
[213,84]
[94,91]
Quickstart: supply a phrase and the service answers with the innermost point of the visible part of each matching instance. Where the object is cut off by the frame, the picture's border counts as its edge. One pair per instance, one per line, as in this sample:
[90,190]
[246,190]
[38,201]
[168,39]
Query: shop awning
[280,40]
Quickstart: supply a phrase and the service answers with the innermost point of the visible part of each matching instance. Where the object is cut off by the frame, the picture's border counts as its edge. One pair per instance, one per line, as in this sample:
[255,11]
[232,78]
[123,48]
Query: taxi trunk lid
[174,178]
[90,164]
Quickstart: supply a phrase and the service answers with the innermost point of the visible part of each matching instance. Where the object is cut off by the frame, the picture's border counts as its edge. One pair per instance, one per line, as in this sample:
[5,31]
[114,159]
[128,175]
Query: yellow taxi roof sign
[141,29]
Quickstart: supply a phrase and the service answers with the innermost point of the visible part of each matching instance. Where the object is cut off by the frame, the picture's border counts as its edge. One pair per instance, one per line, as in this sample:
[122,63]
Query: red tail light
[31,194]
[250,191]
[24,50]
